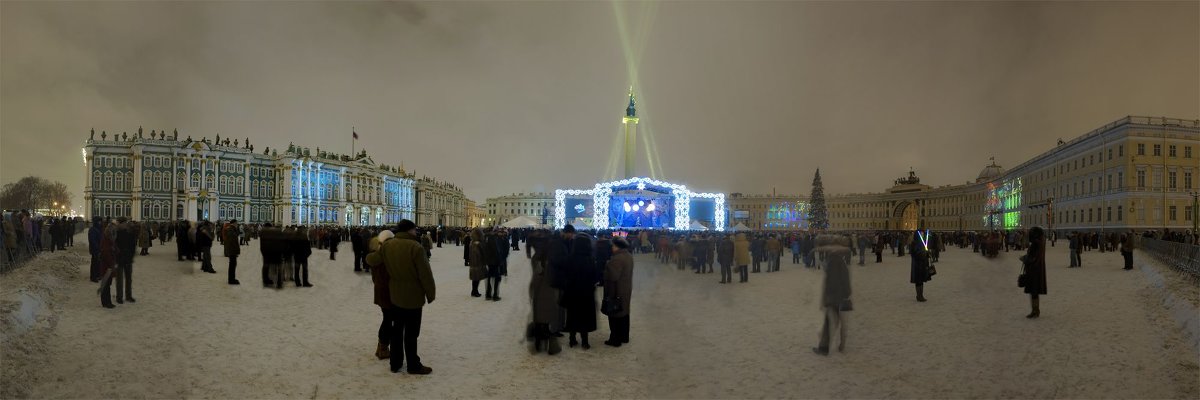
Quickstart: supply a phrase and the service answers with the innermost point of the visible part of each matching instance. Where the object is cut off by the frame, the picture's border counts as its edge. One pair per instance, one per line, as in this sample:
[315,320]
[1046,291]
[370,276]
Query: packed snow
[1102,334]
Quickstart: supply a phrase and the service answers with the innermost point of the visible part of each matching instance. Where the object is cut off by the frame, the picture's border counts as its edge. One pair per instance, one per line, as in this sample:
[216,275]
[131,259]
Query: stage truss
[602,192]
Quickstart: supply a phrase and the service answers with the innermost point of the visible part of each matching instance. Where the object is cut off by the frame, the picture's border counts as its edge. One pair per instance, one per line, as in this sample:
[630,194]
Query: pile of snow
[28,301]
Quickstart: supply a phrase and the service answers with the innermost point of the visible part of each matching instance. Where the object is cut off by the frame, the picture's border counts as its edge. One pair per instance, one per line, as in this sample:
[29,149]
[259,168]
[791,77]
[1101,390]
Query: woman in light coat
[741,256]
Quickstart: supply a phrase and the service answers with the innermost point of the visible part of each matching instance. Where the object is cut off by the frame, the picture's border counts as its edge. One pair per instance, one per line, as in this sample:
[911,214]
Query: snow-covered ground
[1102,334]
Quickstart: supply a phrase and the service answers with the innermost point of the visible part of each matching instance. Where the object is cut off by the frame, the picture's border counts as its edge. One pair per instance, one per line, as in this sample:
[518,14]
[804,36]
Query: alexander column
[630,123]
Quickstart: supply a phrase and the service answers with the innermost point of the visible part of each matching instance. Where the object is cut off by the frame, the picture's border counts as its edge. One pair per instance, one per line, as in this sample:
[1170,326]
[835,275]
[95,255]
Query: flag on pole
[354,133]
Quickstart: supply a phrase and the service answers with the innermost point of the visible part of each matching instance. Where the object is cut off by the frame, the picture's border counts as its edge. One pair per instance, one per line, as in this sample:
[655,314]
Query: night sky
[508,97]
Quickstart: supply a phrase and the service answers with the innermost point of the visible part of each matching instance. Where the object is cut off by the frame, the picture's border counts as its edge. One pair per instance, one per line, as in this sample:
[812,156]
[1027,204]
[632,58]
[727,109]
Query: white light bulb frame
[602,192]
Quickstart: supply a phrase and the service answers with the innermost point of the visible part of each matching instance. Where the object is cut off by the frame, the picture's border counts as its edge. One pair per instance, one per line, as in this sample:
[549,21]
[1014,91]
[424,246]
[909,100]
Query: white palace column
[246,187]
[285,207]
[87,185]
[136,208]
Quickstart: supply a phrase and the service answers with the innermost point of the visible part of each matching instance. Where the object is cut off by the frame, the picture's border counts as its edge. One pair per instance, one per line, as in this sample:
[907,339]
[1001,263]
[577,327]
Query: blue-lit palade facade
[158,177]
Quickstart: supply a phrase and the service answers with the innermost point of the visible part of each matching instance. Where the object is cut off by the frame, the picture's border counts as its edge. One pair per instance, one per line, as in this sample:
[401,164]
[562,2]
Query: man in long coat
[618,288]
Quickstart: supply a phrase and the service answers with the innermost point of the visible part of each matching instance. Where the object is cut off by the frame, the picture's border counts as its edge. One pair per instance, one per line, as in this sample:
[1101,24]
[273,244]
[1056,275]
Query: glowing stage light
[627,208]
[650,207]
[641,203]
[636,207]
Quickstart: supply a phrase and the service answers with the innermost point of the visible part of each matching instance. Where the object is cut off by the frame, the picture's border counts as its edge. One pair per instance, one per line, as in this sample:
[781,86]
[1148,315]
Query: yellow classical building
[1133,173]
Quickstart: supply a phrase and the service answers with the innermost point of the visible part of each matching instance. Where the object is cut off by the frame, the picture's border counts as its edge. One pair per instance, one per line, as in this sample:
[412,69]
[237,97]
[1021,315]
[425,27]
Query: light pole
[1195,212]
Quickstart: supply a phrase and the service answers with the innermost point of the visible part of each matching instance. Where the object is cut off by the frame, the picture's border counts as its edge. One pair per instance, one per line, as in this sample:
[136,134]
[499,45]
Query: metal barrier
[1181,257]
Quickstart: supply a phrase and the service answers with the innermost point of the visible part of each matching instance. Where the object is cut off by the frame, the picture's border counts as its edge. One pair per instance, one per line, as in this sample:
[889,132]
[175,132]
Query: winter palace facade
[160,177]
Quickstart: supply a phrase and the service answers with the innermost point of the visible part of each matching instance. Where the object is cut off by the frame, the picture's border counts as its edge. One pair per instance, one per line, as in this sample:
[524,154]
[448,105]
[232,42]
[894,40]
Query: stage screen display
[579,208]
[703,210]
[641,211]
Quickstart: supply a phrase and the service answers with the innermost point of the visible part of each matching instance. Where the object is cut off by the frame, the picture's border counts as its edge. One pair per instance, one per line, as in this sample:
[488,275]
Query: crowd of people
[567,266]
[25,234]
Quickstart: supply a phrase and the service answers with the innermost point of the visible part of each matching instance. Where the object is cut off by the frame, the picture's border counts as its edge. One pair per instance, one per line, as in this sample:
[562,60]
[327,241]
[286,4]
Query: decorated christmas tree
[818,215]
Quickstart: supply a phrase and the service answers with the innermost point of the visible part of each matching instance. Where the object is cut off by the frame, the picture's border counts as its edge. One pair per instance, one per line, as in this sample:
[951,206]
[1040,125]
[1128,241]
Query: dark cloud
[502,97]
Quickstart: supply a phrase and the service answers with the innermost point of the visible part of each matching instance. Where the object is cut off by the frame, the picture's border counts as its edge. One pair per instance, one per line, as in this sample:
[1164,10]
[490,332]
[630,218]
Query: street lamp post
[1195,212]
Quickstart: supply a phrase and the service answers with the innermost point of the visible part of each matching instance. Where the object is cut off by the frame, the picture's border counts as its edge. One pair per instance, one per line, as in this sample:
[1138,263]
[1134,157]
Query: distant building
[475,214]
[440,203]
[1133,173]
[160,177]
[504,208]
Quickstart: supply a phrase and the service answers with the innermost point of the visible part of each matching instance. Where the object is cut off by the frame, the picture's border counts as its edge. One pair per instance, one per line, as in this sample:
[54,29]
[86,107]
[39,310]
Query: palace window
[1187,180]
[1120,213]
[1171,213]
[1187,151]
[1121,151]
[1171,150]
[1141,178]
[1110,154]
[1171,179]
[96,180]
[1157,150]
[1141,149]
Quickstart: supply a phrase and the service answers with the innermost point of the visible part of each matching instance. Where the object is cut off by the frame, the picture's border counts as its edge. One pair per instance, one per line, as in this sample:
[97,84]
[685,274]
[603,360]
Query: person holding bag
[618,286]
[835,298]
[919,271]
[1033,273]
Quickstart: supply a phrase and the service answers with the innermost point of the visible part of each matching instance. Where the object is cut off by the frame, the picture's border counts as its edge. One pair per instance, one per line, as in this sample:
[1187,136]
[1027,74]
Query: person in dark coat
[543,296]
[919,272]
[95,233]
[335,238]
[477,260]
[495,248]
[725,258]
[618,287]
[1035,269]
[836,291]
[466,242]
[204,241]
[301,248]
[183,246]
[269,244]
[358,244]
[602,252]
[127,235]
[229,239]
[1127,250]
[579,296]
